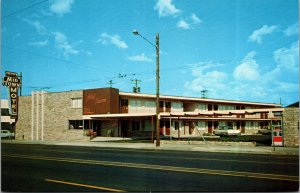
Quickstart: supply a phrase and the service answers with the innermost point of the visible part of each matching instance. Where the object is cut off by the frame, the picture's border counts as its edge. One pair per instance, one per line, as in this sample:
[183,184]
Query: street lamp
[135,32]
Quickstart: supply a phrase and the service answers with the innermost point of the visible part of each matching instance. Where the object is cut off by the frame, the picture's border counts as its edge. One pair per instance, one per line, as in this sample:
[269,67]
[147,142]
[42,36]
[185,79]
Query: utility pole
[110,83]
[204,93]
[21,83]
[135,32]
[157,92]
[136,89]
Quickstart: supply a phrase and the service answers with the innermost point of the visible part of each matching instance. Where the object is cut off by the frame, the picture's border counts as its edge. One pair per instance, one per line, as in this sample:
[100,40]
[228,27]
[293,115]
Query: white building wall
[6,119]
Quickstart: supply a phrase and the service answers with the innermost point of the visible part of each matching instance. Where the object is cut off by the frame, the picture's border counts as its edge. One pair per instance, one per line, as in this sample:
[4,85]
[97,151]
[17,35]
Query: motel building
[7,123]
[107,112]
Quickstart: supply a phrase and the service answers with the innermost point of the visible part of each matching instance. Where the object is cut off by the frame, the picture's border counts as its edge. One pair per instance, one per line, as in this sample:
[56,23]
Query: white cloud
[39,43]
[189,22]
[140,58]
[166,8]
[63,45]
[248,69]
[249,82]
[195,19]
[257,35]
[288,58]
[61,7]
[106,39]
[37,25]
[206,78]
[183,24]
[292,30]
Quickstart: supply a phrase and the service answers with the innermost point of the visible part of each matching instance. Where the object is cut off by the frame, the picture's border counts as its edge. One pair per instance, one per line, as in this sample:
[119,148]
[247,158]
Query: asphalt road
[38,168]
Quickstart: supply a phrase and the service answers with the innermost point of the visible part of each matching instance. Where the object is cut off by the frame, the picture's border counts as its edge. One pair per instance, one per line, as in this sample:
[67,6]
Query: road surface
[49,168]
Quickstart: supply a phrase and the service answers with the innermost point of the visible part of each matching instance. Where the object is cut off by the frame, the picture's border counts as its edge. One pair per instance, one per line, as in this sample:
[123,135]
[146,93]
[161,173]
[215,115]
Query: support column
[32,114]
[37,115]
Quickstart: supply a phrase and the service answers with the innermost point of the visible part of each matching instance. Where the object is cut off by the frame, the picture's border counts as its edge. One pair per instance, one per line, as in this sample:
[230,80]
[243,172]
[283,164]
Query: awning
[120,115]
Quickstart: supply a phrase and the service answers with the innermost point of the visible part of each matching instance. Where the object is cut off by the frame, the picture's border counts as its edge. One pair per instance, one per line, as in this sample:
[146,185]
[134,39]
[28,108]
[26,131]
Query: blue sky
[236,49]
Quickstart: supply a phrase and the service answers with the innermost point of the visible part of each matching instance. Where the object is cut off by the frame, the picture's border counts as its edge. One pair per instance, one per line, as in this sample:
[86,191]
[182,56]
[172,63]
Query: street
[37,168]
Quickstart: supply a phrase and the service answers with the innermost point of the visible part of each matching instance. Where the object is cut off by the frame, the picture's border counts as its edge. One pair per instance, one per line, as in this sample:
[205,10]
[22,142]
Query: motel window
[75,124]
[4,112]
[124,102]
[176,125]
[226,107]
[209,107]
[202,106]
[168,104]
[216,107]
[150,103]
[161,104]
[77,103]
[230,125]
[135,125]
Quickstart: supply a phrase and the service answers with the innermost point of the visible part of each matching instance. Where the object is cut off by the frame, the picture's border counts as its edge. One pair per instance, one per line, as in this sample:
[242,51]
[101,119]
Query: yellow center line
[84,185]
[162,167]
[243,161]
[187,158]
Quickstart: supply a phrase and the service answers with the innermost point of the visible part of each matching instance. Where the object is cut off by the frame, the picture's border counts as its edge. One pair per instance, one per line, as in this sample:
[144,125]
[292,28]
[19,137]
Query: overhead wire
[23,9]
[143,73]
[57,59]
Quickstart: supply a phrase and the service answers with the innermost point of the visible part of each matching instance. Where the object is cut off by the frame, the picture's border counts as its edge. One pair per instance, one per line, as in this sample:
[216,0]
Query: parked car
[223,131]
[7,134]
[265,131]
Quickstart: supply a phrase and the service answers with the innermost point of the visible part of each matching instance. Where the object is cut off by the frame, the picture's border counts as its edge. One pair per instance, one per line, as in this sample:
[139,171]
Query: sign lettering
[12,81]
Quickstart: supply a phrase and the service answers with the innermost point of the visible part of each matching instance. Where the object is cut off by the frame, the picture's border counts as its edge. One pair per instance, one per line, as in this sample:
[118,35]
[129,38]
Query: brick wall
[57,113]
[291,126]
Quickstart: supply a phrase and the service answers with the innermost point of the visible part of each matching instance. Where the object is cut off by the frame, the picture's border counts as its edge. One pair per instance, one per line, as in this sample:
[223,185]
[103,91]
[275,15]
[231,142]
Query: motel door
[124,128]
[97,127]
[164,127]
[209,125]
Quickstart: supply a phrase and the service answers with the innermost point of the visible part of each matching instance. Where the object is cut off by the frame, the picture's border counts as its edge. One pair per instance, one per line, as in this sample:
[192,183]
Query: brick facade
[57,113]
[291,126]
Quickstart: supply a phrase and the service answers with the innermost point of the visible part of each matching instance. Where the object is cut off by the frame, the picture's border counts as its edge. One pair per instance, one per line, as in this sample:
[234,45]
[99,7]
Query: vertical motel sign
[12,81]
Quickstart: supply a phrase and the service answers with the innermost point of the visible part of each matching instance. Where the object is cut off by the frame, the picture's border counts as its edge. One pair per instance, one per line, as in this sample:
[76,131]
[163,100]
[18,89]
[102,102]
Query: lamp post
[135,32]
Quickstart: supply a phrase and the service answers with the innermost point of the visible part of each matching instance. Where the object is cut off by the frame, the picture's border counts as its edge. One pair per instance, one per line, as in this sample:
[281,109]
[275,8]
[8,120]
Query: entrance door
[243,124]
[209,125]
[124,128]
[97,127]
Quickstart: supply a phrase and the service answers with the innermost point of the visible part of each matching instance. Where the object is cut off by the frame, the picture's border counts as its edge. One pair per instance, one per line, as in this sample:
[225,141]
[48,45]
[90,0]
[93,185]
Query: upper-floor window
[76,102]
[202,107]
[4,112]
[226,107]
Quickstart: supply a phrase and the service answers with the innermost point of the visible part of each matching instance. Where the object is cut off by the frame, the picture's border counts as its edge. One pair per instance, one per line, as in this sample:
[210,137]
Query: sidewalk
[170,146]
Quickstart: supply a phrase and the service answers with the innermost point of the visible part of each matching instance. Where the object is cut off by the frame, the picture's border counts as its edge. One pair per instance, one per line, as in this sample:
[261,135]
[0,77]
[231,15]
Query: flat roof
[206,100]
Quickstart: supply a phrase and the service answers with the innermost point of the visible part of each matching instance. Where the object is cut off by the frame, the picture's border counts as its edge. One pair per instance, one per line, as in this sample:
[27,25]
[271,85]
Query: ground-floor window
[176,125]
[75,124]
[135,125]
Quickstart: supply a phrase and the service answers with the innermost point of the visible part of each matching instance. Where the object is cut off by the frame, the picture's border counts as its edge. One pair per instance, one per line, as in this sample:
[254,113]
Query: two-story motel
[107,112]
[7,123]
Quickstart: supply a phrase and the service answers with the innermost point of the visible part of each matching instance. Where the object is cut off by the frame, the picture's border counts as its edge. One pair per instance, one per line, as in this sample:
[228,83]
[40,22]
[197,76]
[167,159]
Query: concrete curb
[171,147]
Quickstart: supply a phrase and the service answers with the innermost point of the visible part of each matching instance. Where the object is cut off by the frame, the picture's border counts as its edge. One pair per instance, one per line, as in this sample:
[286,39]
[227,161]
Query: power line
[54,58]
[25,8]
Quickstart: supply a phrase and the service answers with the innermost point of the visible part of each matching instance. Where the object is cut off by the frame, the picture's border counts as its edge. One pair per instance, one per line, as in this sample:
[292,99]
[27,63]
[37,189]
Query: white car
[7,134]
[227,132]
